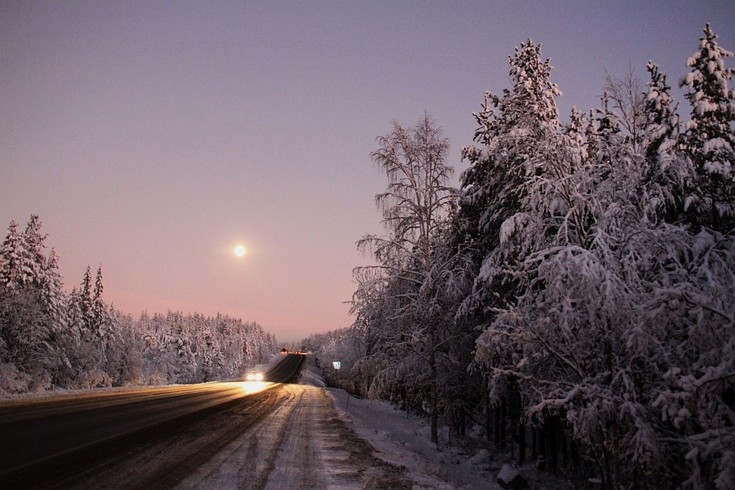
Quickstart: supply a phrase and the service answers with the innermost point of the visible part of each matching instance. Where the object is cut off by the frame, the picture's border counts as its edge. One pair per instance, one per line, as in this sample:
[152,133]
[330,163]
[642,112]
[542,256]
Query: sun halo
[239,250]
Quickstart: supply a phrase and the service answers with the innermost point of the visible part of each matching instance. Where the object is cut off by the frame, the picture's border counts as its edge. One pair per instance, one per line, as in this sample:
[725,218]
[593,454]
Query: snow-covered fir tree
[668,170]
[13,256]
[27,317]
[605,310]
[709,135]
[515,131]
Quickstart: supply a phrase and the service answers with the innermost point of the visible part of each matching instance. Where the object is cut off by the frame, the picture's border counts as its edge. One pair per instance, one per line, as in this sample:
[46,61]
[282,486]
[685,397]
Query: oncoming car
[256,374]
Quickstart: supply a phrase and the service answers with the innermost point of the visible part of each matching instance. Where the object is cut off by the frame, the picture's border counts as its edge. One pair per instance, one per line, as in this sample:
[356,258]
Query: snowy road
[285,436]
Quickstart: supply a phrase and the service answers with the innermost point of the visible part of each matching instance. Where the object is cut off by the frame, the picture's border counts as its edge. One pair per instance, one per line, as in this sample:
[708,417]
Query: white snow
[507,474]
[398,439]
[403,440]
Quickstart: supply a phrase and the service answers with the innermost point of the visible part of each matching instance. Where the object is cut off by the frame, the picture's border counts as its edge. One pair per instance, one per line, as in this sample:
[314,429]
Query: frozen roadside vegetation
[403,440]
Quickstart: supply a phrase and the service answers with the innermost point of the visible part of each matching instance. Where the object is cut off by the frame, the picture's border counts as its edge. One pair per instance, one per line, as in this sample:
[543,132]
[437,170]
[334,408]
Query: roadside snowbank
[404,441]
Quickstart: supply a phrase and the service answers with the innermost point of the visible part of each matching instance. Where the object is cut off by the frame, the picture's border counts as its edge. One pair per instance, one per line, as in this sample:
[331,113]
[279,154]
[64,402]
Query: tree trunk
[502,424]
[521,442]
[434,400]
[488,414]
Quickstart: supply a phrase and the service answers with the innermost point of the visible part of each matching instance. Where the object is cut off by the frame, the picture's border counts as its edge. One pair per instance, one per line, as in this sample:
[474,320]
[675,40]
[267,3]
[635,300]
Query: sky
[153,137]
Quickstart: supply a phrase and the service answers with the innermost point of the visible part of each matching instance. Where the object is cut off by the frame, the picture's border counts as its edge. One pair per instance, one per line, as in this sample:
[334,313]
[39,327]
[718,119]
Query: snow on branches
[608,305]
[588,271]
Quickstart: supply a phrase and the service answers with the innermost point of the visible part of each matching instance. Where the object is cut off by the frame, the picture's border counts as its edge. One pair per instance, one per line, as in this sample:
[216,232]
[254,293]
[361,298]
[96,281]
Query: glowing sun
[239,250]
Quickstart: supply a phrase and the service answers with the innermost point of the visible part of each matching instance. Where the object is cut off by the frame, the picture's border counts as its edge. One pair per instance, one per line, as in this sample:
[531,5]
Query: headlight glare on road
[250,387]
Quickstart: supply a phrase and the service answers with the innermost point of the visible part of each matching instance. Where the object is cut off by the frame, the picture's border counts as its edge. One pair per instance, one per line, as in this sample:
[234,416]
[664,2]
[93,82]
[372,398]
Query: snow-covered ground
[404,441]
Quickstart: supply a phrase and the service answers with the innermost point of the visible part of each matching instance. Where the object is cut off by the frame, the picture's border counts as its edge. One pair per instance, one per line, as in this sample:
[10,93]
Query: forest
[53,340]
[574,298]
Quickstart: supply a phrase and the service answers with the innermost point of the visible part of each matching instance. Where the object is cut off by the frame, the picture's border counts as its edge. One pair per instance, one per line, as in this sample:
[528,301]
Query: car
[256,374]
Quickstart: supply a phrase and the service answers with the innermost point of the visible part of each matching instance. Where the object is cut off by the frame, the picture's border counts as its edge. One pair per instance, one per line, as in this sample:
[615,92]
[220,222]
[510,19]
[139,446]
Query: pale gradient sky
[151,137]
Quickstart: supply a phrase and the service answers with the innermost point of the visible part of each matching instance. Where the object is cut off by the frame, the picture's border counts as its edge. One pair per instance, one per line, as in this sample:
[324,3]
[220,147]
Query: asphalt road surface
[270,435]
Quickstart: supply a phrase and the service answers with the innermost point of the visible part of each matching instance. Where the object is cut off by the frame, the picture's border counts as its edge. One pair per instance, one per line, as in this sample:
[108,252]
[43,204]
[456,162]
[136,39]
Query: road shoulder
[403,442]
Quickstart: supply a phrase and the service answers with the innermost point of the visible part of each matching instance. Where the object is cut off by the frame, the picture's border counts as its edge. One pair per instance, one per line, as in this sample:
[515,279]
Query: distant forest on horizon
[52,339]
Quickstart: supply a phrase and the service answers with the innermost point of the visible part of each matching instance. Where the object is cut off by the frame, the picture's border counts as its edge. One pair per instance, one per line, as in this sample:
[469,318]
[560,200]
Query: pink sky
[151,137]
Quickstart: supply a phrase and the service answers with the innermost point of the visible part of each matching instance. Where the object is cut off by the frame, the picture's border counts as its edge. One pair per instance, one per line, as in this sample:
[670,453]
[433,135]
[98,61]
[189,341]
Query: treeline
[576,296]
[50,339]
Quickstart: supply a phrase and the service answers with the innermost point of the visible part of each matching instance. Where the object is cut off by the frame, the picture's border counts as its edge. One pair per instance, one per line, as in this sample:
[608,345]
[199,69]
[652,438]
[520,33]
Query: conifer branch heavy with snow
[583,293]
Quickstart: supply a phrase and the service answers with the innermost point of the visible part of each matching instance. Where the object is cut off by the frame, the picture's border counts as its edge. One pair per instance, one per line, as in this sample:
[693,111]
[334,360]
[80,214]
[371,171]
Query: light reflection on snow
[250,387]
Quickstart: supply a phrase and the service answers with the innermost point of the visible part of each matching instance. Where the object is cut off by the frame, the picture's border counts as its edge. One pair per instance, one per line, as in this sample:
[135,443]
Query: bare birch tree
[415,206]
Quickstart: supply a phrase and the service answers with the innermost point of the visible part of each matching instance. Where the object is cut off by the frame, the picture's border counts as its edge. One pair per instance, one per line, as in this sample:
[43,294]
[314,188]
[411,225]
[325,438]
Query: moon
[239,250]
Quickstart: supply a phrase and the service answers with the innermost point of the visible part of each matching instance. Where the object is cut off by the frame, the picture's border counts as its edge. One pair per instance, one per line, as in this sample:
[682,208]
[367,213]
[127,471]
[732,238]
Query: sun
[239,250]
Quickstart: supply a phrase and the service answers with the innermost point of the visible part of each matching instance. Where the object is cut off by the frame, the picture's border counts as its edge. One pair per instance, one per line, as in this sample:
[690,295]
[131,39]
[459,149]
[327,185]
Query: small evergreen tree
[709,135]
[667,171]
[86,305]
[11,255]
[35,260]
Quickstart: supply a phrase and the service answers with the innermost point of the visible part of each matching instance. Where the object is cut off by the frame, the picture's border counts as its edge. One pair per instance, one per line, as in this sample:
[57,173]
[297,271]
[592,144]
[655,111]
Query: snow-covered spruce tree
[86,306]
[108,334]
[54,302]
[29,290]
[515,132]
[518,133]
[667,170]
[34,267]
[559,339]
[100,322]
[92,331]
[624,330]
[12,254]
[709,135]
[415,206]
[52,292]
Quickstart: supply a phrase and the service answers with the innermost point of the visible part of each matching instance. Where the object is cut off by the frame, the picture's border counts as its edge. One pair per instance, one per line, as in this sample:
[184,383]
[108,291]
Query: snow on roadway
[319,438]
[300,444]
[322,439]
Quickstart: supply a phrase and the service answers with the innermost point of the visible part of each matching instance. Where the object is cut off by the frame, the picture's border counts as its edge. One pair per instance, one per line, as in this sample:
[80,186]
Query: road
[214,435]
